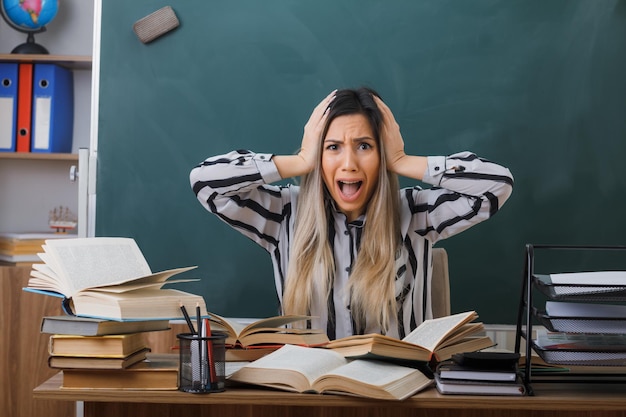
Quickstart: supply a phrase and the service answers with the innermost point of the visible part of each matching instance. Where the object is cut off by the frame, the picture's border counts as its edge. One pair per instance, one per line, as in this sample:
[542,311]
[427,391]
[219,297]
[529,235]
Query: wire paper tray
[579,292]
[580,358]
[609,325]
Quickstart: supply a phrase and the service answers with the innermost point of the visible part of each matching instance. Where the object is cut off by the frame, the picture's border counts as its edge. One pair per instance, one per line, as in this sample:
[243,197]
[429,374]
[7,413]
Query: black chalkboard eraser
[156,24]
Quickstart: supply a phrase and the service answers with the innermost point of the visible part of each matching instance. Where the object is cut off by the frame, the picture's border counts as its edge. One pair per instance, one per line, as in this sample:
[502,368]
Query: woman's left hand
[391,136]
[398,161]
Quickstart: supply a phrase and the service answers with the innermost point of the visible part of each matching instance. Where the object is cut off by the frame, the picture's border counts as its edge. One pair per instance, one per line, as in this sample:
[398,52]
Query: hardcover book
[450,370]
[86,326]
[157,372]
[97,362]
[466,387]
[107,346]
[268,331]
[107,277]
[316,370]
[435,339]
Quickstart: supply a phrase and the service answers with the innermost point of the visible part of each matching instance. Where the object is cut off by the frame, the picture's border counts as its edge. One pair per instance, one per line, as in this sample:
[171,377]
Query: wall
[537,86]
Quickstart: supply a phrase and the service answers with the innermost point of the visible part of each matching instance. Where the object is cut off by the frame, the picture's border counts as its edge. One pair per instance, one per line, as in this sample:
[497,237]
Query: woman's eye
[332,147]
[365,145]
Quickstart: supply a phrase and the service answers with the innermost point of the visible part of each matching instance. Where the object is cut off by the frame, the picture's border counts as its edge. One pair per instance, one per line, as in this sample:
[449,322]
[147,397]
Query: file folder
[53,109]
[8,106]
[24,109]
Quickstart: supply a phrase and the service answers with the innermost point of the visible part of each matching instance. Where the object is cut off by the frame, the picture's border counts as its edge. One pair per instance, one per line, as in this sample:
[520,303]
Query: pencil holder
[202,368]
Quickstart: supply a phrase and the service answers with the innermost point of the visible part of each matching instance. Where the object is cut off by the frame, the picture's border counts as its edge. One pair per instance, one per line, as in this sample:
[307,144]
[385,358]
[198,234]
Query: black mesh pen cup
[202,368]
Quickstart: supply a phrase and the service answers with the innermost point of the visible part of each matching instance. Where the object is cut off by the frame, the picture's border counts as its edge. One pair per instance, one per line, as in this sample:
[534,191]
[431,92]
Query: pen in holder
[202,368]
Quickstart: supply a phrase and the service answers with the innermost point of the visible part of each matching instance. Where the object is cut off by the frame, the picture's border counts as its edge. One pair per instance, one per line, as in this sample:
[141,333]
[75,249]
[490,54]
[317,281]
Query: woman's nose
[349,161]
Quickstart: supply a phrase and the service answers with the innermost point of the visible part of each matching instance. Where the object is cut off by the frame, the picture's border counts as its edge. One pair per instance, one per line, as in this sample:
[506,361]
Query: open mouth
[349,188]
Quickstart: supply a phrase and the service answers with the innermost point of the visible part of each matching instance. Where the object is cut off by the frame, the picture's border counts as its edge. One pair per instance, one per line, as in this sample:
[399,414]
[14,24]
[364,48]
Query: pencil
[198,318]
[187,319]
[201,357]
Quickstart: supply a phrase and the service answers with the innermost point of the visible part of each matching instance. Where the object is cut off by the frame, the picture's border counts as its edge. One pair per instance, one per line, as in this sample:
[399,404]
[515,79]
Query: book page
[43,278]
[236,328]
[431,332]
[370,372]
[92,262]
[370,339]
[461,333]
[310,362]
[156,280]
[230,326]
[133,286]
[278,321]
[373,379]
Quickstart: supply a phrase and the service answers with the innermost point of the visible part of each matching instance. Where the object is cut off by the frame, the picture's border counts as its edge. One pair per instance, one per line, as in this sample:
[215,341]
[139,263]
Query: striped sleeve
[235,187]
[466,190]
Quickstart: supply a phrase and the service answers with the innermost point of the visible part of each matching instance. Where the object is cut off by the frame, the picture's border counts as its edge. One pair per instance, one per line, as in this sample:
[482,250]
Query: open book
[434,339]
[268,331]
[108,277]
[305,369]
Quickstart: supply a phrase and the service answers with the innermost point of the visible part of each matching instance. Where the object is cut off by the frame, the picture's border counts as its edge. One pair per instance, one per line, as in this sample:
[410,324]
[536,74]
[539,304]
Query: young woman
[347,245]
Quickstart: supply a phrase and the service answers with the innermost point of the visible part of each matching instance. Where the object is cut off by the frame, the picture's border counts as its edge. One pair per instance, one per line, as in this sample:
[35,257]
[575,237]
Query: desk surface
[567,399]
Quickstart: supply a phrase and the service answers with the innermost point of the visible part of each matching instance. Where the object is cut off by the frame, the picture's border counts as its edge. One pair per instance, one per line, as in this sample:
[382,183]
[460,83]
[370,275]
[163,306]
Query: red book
[24,106]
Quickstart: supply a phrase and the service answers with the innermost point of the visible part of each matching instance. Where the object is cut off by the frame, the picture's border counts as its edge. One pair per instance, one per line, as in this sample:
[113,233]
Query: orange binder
[24,106]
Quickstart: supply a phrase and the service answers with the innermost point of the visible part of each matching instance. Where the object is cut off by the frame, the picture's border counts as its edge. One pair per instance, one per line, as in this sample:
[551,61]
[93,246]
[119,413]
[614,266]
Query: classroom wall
[538,86]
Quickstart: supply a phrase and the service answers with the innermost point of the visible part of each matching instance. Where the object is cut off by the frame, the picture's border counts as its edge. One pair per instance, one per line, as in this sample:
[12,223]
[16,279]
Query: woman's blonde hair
[311,266]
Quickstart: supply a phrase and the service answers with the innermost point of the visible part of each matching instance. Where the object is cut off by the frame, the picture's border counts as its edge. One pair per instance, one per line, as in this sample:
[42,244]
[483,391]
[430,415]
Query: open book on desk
[268,331]
[317,370]
[108,277]
[435,339]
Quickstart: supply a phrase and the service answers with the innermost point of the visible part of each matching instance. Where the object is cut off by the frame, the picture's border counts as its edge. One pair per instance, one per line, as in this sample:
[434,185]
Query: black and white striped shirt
[465,190]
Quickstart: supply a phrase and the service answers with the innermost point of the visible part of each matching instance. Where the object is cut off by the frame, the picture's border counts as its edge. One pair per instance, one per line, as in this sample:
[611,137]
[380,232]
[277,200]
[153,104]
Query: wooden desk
[554,400]
[24,351]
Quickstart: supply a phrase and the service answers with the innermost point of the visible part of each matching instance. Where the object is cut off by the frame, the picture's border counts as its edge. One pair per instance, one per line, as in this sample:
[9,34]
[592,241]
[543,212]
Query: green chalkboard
[539,86]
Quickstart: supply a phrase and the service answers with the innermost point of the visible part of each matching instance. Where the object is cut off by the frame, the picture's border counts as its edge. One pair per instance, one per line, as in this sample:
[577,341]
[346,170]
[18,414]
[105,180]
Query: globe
[29,16]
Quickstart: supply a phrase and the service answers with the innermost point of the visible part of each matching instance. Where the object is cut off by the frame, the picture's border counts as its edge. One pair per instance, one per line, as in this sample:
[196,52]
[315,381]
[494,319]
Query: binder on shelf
[53,109]
[8,106]
[24,106]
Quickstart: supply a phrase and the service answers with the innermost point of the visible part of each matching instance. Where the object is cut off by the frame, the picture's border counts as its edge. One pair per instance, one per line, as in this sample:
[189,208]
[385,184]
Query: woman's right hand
[313,132]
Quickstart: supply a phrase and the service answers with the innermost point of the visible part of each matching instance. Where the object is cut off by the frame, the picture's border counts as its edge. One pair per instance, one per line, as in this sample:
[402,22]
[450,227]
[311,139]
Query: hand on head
[313,131]
[391,136]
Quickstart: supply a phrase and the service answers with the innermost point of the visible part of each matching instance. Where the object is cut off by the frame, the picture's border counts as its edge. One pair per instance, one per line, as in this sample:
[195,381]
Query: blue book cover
[53,109]
[8,106]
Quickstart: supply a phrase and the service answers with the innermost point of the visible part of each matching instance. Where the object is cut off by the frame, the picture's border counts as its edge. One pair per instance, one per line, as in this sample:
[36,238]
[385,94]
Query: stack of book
[480,373]
[96,353]
[17,249]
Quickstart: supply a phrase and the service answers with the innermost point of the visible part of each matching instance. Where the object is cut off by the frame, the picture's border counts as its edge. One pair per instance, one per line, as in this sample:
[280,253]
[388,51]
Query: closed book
[27,243]
[85,326]
[96,362]
[111,346]
[157,372]
[464,387]
[455,371]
